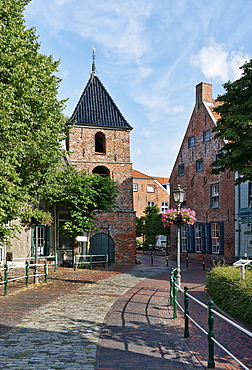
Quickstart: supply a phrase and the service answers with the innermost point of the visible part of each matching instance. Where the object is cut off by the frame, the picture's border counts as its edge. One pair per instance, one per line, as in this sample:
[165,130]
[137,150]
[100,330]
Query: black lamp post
[178,197]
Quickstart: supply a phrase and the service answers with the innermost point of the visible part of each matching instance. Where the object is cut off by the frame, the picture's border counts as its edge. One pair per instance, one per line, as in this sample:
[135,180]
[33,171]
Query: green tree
[32,125]
[153,225]
[82,195]
[140,226]
[234,126]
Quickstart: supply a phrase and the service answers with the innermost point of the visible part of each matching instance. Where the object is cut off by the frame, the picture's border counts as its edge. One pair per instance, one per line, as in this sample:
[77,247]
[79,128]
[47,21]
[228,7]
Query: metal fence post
[74,264]
[26,273]
[186,312]
[45,271]
[171,286]
[105,260]
[210,364]
[90,261]
[6,268]
[55,263]
[174,298]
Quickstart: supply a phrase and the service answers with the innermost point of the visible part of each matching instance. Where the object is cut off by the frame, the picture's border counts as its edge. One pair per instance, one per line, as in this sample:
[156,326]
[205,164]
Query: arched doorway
[102,244]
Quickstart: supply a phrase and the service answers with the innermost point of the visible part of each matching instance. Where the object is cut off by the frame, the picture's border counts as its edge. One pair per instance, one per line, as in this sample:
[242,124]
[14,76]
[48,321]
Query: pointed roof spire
[97,108]
[93,64]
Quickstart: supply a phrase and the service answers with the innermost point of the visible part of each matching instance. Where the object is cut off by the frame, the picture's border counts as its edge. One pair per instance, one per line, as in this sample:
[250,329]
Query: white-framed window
[214,195]
[164,206]
[206,135]
[199,165]
[215,237]
[150,188]
[150,203]
[183,238]
[198,237]
[135,187]
[191,141]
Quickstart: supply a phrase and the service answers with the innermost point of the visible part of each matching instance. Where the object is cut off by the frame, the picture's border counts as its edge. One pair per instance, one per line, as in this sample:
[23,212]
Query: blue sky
[150,55]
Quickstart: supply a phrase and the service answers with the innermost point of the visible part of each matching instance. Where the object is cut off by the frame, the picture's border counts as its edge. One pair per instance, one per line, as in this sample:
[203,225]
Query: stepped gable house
[99,142]
[211,196]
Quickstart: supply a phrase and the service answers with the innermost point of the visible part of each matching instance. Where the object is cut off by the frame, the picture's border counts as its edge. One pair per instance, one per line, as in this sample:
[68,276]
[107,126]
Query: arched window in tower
[101,170]
[100,143]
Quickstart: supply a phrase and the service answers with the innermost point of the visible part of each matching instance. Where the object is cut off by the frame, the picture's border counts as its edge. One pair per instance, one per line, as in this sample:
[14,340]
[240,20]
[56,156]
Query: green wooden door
[42,233]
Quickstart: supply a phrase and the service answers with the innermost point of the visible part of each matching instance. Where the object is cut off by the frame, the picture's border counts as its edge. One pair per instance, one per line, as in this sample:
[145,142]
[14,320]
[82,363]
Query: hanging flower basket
[185,216]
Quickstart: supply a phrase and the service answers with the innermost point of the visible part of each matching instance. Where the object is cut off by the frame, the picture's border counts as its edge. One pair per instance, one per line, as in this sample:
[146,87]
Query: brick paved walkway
[58,325]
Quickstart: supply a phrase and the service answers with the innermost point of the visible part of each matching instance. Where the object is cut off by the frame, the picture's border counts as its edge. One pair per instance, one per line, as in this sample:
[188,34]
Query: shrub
[230,293]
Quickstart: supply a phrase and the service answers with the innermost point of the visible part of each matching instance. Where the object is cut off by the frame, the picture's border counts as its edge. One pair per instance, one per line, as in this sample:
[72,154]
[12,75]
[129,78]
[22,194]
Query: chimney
[204,92]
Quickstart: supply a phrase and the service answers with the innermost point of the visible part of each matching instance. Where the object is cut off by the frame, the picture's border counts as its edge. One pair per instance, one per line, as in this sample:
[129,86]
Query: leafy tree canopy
[83,195]
[234,126]
[151,225]
[32,125]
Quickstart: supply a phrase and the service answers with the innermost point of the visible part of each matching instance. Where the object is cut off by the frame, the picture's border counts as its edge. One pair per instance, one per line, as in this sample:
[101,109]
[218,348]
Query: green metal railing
[90,260]
[42,270]
[174,289]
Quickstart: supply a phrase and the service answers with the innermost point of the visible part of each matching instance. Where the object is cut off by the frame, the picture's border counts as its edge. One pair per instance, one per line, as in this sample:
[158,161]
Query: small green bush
[230,293]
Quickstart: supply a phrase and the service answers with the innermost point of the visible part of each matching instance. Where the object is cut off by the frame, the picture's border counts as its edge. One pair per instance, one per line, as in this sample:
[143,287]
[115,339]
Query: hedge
[230,293]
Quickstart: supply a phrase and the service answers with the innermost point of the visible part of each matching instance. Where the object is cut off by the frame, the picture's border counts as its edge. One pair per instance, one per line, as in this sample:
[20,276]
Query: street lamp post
[178,196]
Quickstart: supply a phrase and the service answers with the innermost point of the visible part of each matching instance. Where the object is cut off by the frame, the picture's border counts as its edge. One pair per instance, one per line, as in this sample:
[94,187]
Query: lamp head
[178,195]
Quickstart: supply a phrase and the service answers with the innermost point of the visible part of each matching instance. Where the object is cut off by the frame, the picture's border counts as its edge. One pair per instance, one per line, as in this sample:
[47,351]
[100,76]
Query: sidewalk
[122,311]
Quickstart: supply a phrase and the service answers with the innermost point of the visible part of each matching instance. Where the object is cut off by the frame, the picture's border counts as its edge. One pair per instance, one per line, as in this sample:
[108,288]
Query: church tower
[99,142]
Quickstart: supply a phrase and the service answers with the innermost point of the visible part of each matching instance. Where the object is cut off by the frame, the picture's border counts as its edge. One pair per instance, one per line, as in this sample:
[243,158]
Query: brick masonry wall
[82,145]
[197,184]
[142,196]
[117,161]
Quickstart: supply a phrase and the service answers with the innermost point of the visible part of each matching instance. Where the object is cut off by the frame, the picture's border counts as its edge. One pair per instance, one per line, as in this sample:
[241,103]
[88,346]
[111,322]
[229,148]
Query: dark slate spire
[96,107]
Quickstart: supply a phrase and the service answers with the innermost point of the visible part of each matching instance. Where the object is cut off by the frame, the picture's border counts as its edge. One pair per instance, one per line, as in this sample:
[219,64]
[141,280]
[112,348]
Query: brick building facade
[99,142]
[148,191]
[211,196]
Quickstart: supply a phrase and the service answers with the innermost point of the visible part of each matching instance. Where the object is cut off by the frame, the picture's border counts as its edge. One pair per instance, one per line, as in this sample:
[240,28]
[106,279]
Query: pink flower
[186,216]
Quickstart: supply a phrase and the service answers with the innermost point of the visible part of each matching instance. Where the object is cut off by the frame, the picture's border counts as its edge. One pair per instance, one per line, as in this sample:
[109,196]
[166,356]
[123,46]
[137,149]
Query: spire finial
[93,64]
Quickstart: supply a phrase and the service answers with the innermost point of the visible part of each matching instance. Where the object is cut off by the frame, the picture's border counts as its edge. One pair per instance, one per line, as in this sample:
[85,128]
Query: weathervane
[93,64]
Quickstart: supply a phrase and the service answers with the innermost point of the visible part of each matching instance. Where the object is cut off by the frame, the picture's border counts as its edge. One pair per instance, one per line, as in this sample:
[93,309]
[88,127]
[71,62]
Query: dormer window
[100,143]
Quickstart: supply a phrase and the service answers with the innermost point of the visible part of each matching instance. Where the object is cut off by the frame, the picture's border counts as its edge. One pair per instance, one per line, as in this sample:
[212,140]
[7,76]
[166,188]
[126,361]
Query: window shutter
[190,238]
[208,238]
[203,238]
[221,237]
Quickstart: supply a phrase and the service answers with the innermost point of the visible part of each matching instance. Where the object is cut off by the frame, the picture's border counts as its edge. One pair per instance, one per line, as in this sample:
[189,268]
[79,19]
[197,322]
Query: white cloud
[117,25]
[216,62]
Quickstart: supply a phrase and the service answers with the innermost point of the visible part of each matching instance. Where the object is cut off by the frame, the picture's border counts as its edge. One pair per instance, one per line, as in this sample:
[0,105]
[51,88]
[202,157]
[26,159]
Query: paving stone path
[113,319]
[63,334]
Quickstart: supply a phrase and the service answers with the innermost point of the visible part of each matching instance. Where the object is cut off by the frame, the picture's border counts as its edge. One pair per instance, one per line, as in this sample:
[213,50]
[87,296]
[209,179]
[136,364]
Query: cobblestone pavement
[63,333]
[123,311]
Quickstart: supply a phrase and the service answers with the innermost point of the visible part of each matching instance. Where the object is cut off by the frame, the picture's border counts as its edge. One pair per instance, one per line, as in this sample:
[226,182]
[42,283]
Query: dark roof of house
[97,108]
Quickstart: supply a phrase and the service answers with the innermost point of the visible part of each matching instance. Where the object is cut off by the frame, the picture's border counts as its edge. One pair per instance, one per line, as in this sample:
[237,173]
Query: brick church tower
[99,142]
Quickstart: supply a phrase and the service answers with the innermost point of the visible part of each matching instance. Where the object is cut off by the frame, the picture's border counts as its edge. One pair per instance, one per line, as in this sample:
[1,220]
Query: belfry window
[100,143]
[101,170]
